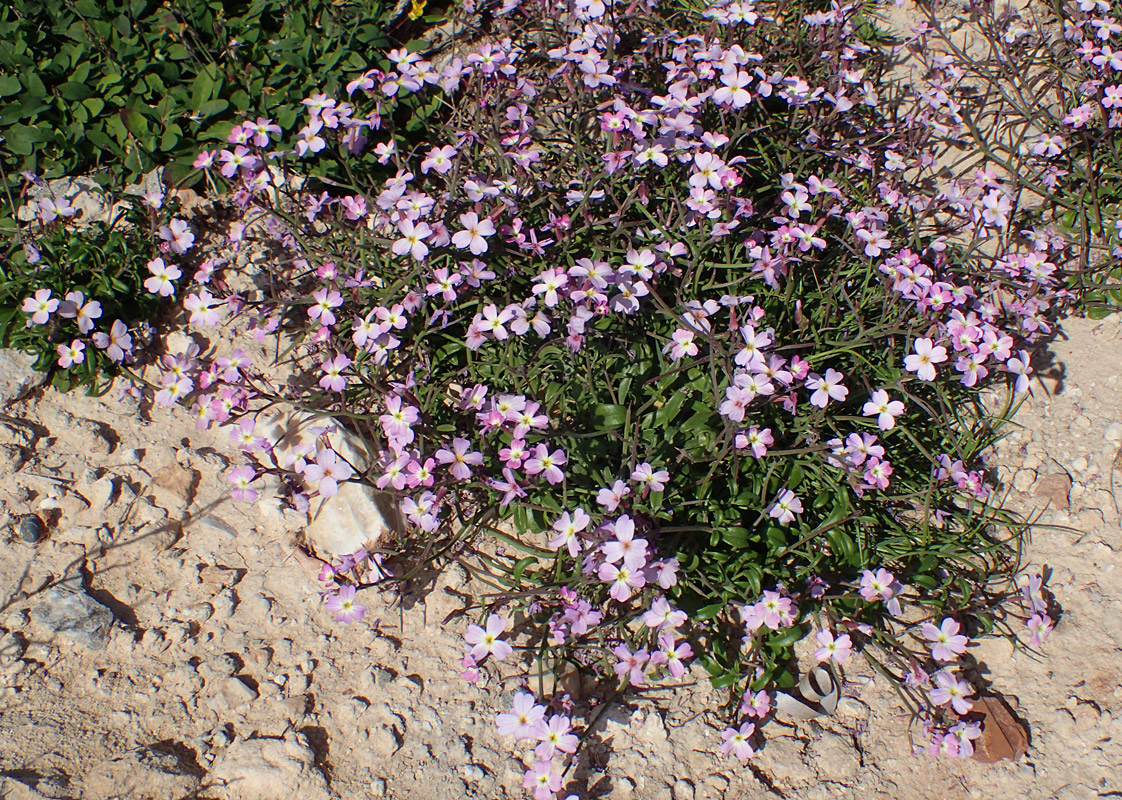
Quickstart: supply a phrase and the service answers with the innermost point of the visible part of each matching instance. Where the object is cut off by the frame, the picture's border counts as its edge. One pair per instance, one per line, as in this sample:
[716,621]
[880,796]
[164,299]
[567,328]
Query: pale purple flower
[41,306]
[461,457]
[76,307]
[342,604]
[567,529]
[486,641]
[117,343]
[736,741]
[923,360]
[178,236]
[949,689]
[785,507]
[644,474]
[946,642]
[836,649]
[524,720]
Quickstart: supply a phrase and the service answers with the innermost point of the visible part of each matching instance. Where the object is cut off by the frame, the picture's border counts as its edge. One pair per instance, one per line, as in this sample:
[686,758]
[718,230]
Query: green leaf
[787,638]
[74,91]
[9,84]
[609,417]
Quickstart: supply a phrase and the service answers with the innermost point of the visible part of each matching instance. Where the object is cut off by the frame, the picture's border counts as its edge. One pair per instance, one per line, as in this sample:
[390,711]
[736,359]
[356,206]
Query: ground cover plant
[676,304]
[117,88]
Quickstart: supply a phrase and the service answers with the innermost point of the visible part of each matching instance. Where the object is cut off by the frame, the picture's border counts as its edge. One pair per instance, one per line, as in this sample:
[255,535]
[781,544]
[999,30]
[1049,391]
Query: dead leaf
[1056,489]
[1004,737]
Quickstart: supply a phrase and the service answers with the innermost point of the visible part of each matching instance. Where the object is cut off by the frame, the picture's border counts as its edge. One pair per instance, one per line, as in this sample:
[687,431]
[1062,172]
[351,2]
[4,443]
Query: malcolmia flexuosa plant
[676,304]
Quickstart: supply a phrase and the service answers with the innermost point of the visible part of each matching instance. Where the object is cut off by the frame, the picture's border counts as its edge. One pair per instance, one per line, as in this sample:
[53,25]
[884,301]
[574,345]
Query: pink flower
[332,379]
[202,308]
[178,236]
[567,529]
[755,705]
[69,354]
[673,654]
[41,306]
[662,615]
[412,240]
[883,409]
[611,498]
[439,159]
[556,737]
[327,470]
[460,457]
[545,463]
[923,361]
[949,689]
[681,344]
[785,507]
[543,780]
[826,389]
[525,719]
[644,474]
[1039,625]
[633,665]
[326,300]
[632,551]
[342,604]
[756,440]
[486,642]
[623,580]
[947,642]
[162,276]
[736,741]
[472,237]
[836,649]
[241,477]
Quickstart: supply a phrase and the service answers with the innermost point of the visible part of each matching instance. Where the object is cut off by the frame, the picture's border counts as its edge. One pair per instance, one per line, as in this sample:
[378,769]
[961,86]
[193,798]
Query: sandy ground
[162,641]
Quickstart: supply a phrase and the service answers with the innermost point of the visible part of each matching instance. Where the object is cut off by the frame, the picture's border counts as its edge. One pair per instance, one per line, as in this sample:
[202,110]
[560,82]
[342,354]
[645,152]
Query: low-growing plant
[1046,109]
[117,88]
[83,287]
[676,305]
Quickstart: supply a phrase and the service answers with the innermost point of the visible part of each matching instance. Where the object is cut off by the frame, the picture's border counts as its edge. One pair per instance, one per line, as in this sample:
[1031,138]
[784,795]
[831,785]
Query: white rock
[354,518]
[1024,479]
[265,769]
[16,375]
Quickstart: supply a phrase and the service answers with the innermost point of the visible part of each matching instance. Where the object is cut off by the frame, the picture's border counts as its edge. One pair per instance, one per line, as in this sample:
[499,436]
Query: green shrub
[120,86]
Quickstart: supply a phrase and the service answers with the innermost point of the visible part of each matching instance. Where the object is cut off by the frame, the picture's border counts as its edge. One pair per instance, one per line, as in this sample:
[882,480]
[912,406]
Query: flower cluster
[587,303]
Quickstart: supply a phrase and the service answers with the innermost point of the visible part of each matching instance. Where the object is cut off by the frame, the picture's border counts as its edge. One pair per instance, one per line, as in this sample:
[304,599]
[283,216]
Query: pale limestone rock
[354,518]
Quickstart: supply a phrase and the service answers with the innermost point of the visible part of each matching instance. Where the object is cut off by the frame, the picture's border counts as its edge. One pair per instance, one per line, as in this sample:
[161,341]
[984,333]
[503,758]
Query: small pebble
[31,528]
